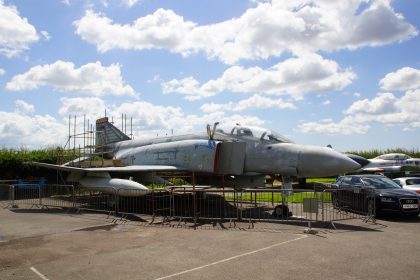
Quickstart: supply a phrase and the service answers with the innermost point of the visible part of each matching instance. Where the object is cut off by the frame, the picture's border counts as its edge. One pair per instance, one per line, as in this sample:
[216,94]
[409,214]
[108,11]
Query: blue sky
[318,72]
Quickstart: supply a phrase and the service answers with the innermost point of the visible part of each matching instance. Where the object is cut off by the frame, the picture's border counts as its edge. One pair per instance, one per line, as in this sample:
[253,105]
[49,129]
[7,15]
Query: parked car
[363,193]
[409,183]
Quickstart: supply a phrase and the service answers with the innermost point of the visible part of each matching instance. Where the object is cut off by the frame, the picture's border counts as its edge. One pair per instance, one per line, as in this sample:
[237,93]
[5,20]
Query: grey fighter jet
[392,163]
[237,155]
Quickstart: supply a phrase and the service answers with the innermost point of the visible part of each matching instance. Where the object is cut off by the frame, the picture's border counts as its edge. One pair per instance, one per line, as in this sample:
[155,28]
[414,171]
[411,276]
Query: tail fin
[107,133]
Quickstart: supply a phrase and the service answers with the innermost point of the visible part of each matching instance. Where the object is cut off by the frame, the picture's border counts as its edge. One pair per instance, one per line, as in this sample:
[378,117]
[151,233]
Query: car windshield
[415,181]
[380,183]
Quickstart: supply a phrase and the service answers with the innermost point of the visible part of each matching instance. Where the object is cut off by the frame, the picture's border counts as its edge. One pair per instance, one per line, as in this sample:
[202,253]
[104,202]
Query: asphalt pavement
[55,244]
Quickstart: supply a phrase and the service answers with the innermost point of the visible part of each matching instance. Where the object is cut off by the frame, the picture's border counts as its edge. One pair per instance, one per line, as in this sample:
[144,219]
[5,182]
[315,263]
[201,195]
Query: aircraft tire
[281,211]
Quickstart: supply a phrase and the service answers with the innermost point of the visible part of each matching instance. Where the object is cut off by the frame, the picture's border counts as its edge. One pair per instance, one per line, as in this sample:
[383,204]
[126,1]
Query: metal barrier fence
[88,200]
[41,196]
[197,206]
[346,203]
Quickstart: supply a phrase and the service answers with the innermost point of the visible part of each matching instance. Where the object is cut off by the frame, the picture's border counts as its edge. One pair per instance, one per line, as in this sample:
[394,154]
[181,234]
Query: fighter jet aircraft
[391,163]
[239,155]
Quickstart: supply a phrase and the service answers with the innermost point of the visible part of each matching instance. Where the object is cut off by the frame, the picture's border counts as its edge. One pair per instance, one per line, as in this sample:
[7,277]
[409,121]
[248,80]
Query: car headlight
[387,199]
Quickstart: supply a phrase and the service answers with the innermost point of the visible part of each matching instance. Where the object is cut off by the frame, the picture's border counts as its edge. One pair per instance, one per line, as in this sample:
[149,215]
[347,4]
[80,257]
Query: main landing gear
[281,211]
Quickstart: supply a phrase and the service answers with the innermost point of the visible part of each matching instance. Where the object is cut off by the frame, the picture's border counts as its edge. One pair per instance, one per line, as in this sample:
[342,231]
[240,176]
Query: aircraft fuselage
[231,154]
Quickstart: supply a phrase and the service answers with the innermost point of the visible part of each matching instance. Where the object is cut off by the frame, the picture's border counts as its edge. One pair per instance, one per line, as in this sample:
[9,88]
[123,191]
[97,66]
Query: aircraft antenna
[84,131]
[88,137]
[92,139]
[131,127]
[69,130]
[209,132]
[74,134]
[214,129]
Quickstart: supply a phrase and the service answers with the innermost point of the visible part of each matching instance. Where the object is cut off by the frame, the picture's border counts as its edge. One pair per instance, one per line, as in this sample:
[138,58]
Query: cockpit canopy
[394,156]
[252,133]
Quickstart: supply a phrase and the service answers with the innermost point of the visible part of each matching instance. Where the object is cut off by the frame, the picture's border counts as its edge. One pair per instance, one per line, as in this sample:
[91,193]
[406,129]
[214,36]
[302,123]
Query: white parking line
[232,258]
[42,276]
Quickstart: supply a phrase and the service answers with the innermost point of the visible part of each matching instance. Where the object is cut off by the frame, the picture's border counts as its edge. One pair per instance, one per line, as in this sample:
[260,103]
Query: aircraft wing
[131,168]
[80,159]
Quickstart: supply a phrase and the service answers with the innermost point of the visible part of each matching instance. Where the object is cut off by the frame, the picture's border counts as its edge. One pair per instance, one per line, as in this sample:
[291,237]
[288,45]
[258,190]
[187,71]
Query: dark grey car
[366,192]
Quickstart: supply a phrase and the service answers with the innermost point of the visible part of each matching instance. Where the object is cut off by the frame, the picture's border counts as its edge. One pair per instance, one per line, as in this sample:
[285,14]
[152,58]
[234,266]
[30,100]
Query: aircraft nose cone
[323,162]
[360,160]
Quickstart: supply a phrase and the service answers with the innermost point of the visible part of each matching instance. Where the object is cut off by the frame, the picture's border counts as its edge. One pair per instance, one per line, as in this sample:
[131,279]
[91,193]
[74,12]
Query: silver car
[409,183]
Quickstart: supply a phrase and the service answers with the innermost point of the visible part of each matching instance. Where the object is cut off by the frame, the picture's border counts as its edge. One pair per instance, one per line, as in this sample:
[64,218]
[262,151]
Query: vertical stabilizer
[107,133]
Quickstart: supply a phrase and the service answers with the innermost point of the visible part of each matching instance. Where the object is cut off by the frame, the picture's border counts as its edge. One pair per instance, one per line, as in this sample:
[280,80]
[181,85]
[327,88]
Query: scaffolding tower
[87,147]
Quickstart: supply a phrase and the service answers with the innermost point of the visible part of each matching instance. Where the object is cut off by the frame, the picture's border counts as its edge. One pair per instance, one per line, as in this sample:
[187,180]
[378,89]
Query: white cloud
[403,79]
[92,107]
[254,102]
[189,87]
[45,35]
[150,116]
[150,119]
[345,127]
[130,3]
[16,34]
[294,76]
[382,104]
[2,72]
[162,29]
[23,107]
[21,128]
[90,79]
[377,25]
[404,110]
[326,102]
[385,108]
[267,30]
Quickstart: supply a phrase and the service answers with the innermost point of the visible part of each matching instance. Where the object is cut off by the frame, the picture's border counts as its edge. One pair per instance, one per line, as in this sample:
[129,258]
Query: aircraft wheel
[281,211]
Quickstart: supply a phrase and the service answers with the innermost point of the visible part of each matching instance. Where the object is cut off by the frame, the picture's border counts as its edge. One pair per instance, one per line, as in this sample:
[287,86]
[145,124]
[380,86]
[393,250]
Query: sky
[344,73]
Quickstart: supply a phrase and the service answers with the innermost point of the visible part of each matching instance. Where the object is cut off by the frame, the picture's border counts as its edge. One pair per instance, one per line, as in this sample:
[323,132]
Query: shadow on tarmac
[43,210]
[399,218]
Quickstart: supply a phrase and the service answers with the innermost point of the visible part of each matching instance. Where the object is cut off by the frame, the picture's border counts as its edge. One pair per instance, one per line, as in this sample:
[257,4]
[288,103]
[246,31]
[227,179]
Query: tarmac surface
[53,244]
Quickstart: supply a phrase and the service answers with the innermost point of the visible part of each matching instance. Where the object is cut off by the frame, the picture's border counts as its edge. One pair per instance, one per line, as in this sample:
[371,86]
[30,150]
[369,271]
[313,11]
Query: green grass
[320,180]
[278,197]
[156,186]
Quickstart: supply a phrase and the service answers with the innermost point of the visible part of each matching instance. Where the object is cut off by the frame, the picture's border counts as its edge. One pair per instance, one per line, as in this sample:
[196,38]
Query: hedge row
[12,163]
